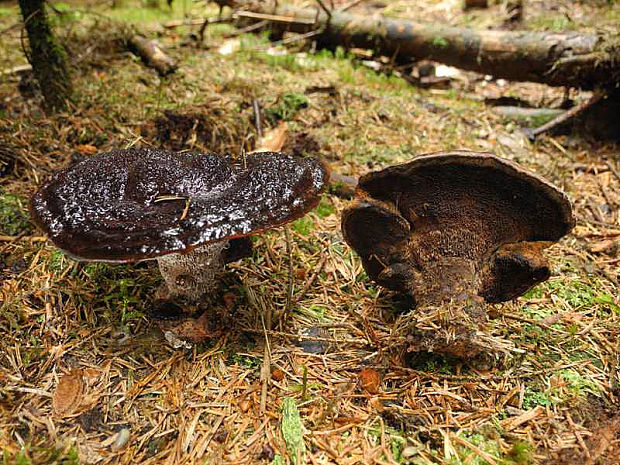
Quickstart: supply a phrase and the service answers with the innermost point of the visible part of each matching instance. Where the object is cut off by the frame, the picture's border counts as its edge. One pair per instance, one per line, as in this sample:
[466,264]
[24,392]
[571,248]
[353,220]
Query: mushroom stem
[192,275]
[447,279]
[446,294]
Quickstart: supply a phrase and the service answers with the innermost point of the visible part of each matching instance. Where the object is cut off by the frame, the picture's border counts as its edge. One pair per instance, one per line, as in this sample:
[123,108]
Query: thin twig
[208,21]
[257,120]
[244,30]
[567,115]
[312,279]
[289,252]
[613,169]
[349,5]
[273,18]
[266,368]
[325,9]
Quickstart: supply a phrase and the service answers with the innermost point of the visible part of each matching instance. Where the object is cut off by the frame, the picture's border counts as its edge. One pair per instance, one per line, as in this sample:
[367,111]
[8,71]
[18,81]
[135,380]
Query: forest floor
[135,399]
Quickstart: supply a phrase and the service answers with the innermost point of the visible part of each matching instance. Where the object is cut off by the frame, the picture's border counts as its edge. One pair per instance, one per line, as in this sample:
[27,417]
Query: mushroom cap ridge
[135,204]
[550,218]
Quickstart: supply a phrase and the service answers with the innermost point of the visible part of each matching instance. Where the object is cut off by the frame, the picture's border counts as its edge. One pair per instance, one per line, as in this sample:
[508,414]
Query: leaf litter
[553,403]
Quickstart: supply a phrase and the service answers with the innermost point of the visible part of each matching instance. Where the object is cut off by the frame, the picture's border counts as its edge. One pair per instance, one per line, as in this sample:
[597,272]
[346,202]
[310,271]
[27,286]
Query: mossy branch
[47,56]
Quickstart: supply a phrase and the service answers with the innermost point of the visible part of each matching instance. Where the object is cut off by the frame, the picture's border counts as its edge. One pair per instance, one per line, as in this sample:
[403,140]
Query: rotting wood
[586,61]
[152,55]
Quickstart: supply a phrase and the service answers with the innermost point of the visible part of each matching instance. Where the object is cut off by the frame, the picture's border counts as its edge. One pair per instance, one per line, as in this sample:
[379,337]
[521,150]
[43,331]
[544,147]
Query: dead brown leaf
[273,140]
[69,393]
[277,374]
[370,380]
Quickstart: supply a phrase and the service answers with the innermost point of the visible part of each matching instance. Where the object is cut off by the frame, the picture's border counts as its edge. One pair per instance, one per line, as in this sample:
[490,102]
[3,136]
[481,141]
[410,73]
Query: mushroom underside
[453,231]
[436,264]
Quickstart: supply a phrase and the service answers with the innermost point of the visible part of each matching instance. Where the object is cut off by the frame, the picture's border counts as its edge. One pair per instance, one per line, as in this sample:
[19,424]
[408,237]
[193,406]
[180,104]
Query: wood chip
[510,424]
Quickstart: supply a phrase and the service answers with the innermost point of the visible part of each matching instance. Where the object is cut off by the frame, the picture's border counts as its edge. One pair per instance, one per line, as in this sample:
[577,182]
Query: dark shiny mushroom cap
[135,204]
[456,205]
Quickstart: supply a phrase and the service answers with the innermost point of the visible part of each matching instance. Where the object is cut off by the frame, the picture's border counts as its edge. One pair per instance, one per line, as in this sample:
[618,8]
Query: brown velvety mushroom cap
[457,209]
[135,204]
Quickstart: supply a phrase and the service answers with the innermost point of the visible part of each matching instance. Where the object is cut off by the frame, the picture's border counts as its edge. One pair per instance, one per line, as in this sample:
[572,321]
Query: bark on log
[556,59]
[152,55]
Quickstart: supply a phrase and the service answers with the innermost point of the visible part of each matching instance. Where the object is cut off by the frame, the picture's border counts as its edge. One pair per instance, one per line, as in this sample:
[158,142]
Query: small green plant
[432,363]
[278,460]
[440,42]
[33,454]
[303,226]
[125,299]
[64,13]
[293,431]
[521,453]
[58,261]
[13,215]
[315,311]
[557,23]
[7,11]
[247,361]
[578,384]
[533,398]
[324,208]
[397,445]
[466,455]
[609,301]
[286,107]
[287,61]
[381,154]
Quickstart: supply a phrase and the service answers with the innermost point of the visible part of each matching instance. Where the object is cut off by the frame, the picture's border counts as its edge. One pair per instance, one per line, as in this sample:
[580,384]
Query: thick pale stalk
[192,275]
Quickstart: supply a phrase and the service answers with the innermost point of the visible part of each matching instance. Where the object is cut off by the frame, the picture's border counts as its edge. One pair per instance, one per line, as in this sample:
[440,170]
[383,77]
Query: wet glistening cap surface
[135,204]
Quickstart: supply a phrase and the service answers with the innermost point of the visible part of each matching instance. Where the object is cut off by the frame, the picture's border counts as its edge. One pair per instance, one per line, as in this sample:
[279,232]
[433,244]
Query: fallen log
[151,54]
[556,59]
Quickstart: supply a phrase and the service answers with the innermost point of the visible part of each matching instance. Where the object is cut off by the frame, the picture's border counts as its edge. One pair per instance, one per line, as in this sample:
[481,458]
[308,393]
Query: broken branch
[152,55]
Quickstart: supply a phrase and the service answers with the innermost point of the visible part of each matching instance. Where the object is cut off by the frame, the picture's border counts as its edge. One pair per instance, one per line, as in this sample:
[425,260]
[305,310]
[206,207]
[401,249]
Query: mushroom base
[191,276]
[450,315]
[452,328]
